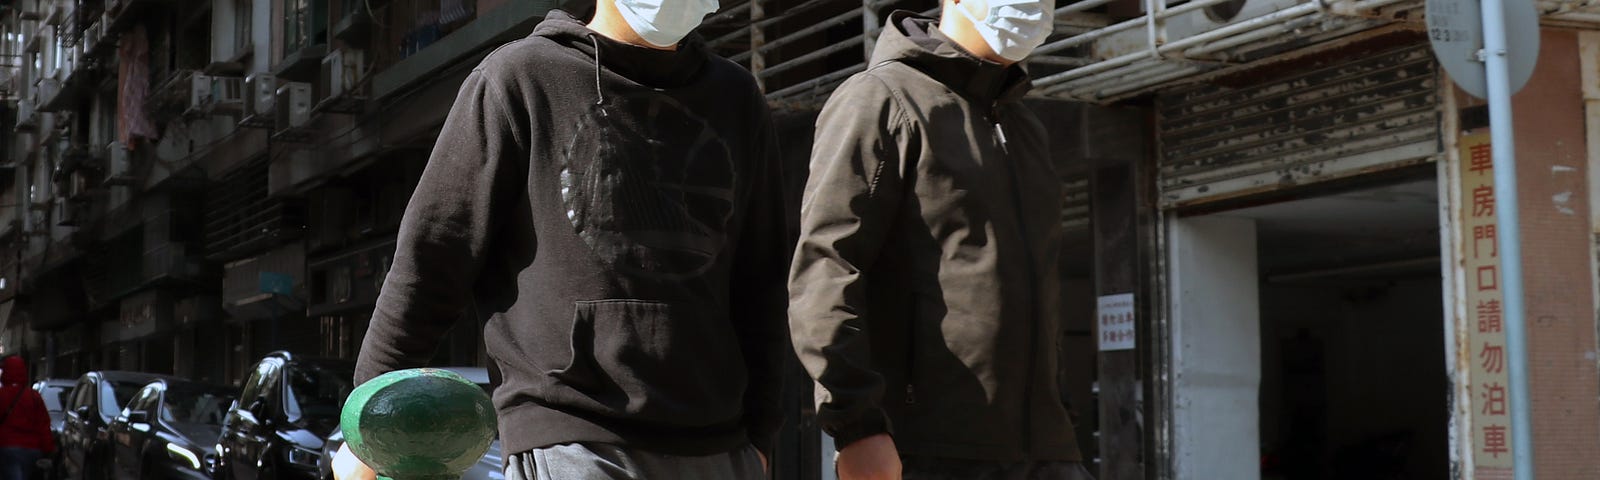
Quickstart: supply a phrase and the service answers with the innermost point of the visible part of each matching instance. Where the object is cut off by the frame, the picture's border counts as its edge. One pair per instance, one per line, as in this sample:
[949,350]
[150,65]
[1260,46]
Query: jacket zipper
[1033,294]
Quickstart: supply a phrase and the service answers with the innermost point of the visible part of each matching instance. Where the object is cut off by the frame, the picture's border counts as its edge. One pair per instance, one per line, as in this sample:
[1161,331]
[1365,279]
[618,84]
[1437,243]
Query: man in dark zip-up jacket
[922,292]
[617,211]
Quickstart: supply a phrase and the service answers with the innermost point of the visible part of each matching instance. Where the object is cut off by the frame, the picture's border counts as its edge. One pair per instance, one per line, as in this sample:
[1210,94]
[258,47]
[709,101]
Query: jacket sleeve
[759,301]
[447,229]
[856,184]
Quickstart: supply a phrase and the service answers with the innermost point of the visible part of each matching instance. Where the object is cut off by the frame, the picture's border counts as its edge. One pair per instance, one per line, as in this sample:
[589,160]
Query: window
[113,395]
[82,395]
[55,398]
[145,399]
[305,23]
[260,383]
[189,406]
[315,391]
[243,13]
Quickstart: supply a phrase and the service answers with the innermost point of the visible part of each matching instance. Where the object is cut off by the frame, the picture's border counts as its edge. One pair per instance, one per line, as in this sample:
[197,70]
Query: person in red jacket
[25,436]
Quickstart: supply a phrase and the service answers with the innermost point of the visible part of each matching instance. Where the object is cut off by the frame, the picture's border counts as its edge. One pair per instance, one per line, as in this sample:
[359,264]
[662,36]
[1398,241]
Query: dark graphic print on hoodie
[618,214]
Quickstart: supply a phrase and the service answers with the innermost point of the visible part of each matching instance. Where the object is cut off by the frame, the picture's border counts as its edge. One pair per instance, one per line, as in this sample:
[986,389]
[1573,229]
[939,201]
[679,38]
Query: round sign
[1455,28]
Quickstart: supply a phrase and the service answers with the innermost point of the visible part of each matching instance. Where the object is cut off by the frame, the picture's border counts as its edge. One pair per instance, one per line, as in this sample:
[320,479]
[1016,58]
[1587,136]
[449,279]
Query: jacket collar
[916,41]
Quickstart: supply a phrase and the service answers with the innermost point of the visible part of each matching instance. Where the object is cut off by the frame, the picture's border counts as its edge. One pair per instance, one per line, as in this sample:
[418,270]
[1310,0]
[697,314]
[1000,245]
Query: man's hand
[871,458]
[347,467]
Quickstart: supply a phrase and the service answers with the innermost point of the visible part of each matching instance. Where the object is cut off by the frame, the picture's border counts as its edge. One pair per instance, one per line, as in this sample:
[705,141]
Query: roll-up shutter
[1075,203]
[1338,119]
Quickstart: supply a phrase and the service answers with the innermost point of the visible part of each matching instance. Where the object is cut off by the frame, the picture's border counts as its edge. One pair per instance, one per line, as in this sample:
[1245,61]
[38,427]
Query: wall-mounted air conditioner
[27,117]
[78,186]
[65,213]
[261,90]
[56,12]
[119,165]
[92,35]
[294,105]
[199,94]
[341,73]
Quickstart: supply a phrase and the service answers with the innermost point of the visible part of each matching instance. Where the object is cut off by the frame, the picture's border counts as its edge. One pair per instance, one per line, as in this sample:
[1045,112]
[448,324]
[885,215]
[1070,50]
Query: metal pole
[1498,78]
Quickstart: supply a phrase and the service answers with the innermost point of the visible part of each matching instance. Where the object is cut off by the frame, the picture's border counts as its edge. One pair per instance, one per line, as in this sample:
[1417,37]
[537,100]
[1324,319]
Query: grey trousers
[575,461]
[927,468]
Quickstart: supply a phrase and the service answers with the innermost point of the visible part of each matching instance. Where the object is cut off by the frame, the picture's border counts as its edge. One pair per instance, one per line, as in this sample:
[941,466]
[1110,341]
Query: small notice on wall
[1116,322]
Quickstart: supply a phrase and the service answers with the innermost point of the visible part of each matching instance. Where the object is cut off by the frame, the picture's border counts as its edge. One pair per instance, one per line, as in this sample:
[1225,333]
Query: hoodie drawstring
[599,92]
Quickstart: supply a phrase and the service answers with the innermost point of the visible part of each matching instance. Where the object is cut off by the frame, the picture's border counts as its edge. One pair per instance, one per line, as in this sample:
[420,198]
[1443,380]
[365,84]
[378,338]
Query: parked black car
[169,430]
[57,393]
[96,400]
[276,428]
[490,467]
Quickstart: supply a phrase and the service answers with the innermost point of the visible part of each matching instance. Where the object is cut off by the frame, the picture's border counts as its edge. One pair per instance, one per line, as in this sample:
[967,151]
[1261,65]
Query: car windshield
[54,397]
[115,395]
[195,406]
[315,391]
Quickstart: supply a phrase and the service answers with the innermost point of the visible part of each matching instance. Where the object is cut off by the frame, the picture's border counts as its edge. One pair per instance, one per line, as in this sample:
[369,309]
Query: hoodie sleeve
[447,230]
[761,264]
[38,421]
[851,198]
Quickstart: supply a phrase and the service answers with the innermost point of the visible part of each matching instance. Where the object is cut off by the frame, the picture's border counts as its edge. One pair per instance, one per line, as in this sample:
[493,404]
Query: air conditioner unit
[1191,23]
[56,13]
[27,117]
[119,165]
[86,44]
[199,94]
[341,73]
[294,105]
[227,94]
[262,91]
[65,213]
[78,186]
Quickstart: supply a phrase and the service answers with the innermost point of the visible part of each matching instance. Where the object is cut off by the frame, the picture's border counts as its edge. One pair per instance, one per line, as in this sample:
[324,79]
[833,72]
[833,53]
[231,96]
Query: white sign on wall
[1116,322]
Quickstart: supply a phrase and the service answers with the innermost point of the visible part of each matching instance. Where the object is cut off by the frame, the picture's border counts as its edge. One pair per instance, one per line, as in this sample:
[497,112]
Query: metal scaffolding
[1103,50]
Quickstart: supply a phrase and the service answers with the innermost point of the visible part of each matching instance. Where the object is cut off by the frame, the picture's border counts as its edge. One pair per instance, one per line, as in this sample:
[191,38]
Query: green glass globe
[420,424]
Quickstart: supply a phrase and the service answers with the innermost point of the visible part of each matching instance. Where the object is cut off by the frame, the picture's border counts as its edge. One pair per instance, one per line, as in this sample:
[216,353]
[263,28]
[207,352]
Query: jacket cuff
[763,444]
[872,423]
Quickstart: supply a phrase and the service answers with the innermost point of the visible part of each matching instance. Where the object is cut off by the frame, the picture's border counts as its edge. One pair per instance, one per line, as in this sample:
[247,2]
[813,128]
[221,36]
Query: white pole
[1495,52]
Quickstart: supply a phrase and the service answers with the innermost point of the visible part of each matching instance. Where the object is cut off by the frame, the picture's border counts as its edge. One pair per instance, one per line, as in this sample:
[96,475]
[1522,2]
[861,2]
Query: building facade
[1287,188]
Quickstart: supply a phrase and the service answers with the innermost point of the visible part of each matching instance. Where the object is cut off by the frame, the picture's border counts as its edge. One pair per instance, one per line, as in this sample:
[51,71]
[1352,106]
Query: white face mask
[664,22]
[1013,28]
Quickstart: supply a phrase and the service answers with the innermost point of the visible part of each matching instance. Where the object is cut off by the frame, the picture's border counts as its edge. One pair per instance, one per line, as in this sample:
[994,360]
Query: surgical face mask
[664,22]
[1013,28]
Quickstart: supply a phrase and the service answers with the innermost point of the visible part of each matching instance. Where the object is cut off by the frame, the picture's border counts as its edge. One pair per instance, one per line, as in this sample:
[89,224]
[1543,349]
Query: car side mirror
[136,418]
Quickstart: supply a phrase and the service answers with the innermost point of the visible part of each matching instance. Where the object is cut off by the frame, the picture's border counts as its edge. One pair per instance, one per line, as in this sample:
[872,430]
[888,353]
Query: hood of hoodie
[915,40]
[643,65]
[13,371]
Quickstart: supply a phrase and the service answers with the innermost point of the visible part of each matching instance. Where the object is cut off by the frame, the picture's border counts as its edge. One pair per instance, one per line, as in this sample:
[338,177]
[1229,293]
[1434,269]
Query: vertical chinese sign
[1486,339]
[1115,315]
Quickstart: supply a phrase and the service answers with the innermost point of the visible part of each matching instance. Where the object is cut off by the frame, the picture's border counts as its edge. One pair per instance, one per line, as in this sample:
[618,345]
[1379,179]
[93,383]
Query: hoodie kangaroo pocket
[656,362]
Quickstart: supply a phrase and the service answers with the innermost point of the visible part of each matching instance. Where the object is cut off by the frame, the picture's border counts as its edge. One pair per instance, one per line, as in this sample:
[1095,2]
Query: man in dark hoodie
[609,196]
[922,292]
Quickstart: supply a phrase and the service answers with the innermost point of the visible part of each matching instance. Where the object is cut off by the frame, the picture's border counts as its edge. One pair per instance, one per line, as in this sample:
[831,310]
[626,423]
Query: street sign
[276,283]
[1455,28]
